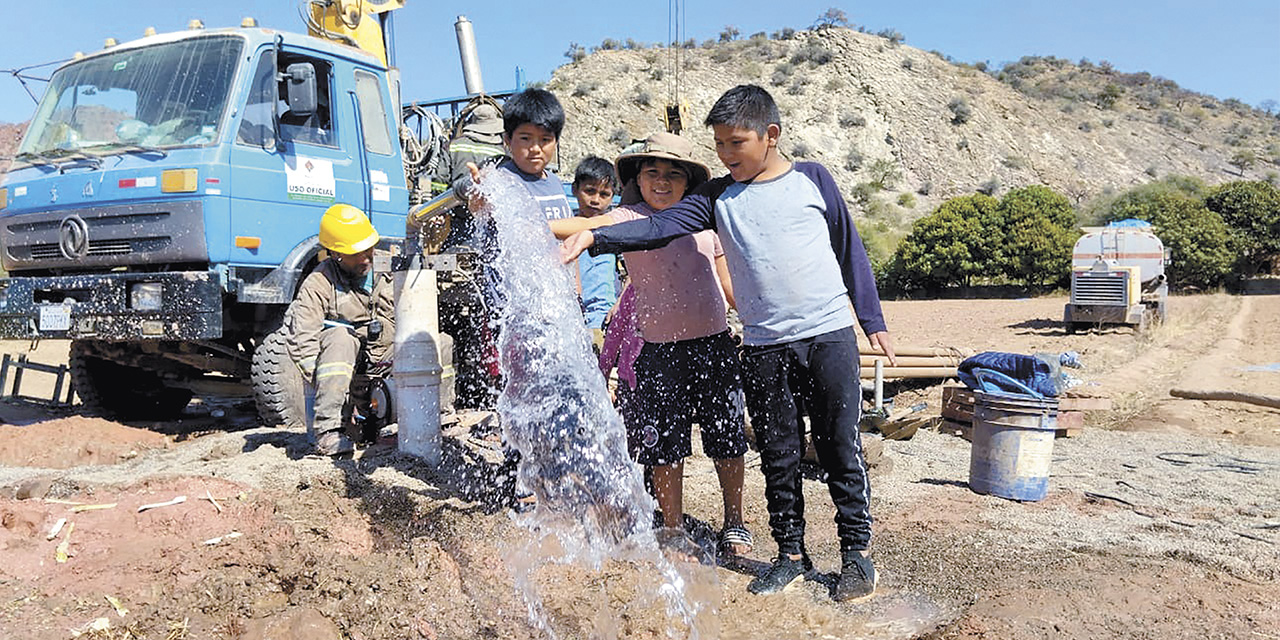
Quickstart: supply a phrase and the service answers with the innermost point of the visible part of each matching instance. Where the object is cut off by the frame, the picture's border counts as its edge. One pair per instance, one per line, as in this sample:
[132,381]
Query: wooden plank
[965,396]
[957,412]
[1230,396]
[1070,424]
[957,404]
[953,393]
[951,427]
[1071,403]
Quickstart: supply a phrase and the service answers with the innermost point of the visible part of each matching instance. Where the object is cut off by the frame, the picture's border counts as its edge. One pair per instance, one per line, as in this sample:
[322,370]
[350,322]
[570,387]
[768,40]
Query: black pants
[823,372]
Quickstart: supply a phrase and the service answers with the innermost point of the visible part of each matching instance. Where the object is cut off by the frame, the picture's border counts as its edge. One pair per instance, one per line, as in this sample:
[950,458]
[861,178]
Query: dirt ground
[1162,519]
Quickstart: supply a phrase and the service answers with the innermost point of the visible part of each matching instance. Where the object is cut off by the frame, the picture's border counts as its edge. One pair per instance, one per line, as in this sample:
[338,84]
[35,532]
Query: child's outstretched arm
[575,245]
[565,227]
[692,214]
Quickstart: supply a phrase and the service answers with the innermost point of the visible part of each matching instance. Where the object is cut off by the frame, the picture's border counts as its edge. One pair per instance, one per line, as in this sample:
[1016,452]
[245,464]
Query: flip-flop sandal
[736,541]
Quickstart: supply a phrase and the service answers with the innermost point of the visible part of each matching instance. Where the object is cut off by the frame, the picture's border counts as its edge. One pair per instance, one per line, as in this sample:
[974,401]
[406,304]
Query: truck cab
[164,204]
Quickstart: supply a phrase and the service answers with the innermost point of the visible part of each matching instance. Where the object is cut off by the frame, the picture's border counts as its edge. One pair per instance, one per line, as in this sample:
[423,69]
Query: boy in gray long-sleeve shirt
[797,263]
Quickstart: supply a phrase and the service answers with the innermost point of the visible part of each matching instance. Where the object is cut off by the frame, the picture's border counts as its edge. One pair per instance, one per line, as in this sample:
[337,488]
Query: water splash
[592,510]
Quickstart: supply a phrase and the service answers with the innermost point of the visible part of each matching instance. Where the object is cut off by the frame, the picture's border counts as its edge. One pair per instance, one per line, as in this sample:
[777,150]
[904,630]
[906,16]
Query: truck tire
[120,390]
[278,388]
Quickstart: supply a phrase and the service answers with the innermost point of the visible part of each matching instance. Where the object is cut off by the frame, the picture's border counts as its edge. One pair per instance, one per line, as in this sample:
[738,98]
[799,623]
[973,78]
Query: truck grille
[143,233]
[101,248]
[1101,289]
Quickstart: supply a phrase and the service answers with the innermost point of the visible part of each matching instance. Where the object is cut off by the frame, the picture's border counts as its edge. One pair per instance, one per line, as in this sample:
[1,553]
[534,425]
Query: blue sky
[1227,48]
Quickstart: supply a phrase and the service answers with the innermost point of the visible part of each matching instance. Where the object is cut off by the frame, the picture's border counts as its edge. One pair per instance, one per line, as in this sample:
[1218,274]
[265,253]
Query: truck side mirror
[300,88]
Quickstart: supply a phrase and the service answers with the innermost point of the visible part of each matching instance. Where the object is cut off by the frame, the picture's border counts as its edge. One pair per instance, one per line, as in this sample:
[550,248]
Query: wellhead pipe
[416,368]
[470,58]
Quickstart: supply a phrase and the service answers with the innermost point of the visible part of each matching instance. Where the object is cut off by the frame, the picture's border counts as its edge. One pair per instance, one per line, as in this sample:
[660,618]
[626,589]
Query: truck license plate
[55,317]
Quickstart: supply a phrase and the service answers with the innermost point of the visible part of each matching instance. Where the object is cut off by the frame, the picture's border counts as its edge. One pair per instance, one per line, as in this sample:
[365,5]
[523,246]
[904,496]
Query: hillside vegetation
[903,129]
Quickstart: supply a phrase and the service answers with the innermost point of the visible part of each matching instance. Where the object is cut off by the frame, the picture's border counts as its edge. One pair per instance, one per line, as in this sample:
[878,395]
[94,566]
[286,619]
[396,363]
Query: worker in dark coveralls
[466,310]
[340,323]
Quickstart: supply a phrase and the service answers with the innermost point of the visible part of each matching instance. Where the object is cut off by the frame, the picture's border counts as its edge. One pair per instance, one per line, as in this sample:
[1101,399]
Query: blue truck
[163,206]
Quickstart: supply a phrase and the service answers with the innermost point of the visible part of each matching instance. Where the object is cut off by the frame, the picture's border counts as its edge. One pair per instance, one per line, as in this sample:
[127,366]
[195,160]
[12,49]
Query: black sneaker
[857,578]
[781,573]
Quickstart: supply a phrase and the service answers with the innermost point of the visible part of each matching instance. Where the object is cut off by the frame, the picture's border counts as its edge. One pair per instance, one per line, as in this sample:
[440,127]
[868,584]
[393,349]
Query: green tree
[1199,242]
[1109,96]
[833,17]
[1252,210]
[1038,252]
[884,173]
[575,53]
[1039,232]
[951,246]
[1243,160]
[961,112]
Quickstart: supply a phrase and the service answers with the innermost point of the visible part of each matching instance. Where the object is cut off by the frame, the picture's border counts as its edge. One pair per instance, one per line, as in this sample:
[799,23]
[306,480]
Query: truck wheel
[121,390]
[1145,320]
[278,388]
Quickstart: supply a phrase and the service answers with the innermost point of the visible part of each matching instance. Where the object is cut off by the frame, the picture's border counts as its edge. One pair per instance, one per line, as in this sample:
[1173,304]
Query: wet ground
[1161,520]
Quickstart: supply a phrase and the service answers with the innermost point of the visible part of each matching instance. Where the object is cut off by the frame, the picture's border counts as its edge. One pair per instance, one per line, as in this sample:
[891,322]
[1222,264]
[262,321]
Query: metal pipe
[913,372]
[470,58]
[911,361]
[879,385]
[418,216]
[439,205]
[924,352]
[416,368]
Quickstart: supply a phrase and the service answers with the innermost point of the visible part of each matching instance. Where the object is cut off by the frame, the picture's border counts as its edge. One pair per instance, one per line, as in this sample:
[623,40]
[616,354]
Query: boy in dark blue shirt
[797,263]
[531,125]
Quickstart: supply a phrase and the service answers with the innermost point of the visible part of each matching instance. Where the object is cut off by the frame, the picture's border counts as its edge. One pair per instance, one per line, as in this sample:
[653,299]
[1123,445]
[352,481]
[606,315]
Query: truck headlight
[146,296]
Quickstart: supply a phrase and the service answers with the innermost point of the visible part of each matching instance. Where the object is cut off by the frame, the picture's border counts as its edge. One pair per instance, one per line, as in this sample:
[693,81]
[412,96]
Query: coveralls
[328,325]
[466,309]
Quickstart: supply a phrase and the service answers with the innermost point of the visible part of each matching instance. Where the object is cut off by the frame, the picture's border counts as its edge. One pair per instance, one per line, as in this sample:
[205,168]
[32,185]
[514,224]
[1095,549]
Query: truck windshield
[149,98]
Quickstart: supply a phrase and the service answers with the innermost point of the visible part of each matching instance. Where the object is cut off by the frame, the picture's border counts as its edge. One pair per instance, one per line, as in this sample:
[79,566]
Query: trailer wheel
[278,388]
[121,390]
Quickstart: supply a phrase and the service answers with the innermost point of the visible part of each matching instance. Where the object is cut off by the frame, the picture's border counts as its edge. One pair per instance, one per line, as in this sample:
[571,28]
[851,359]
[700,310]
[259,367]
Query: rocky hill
[10,138]
[903,129]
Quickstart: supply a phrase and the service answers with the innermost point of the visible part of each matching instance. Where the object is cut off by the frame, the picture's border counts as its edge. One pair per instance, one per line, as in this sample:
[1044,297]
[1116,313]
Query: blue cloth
[791,247]
[599,287]
[1035,374]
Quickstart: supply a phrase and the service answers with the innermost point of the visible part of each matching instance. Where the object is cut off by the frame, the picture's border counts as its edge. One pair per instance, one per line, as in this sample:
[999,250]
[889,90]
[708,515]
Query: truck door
[281,188]
[387,198]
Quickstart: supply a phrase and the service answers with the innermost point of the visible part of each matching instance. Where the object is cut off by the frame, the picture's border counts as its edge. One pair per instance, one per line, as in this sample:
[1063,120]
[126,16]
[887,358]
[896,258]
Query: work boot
[334,443]
[857,577]
[781,573]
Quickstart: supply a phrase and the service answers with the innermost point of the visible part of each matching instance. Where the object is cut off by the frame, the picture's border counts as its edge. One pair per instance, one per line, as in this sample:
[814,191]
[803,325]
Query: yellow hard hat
[346,229]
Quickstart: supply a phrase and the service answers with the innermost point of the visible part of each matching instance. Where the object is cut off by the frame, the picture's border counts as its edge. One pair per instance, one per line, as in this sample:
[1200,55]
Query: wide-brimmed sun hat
[484,123]
[661,146]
